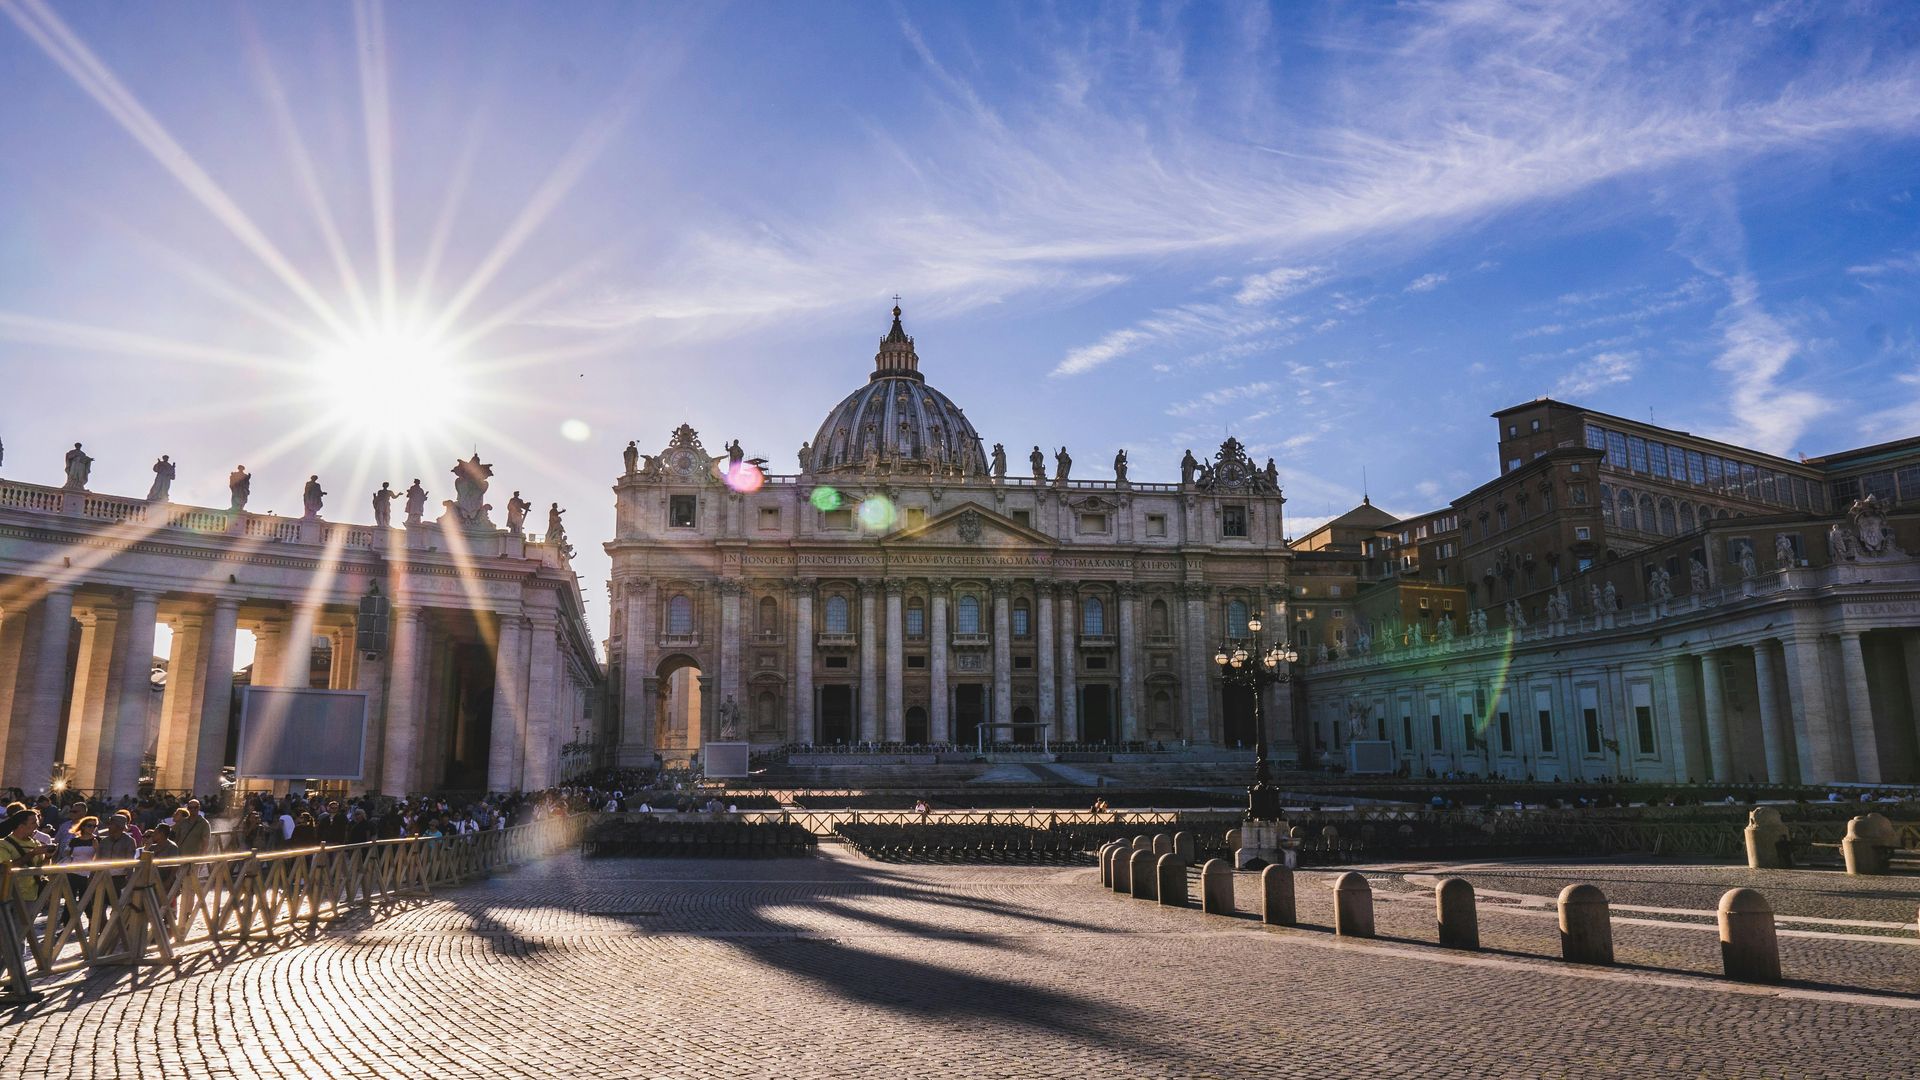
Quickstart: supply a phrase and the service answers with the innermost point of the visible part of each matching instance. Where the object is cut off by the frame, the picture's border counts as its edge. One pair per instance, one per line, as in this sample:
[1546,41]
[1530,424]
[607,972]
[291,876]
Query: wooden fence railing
[144,911]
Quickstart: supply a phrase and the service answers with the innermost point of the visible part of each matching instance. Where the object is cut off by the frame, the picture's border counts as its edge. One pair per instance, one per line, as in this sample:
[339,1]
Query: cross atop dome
[896,357]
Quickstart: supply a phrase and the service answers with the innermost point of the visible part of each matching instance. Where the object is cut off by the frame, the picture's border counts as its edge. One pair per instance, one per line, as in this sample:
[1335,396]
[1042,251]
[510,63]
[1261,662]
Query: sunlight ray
[65,49]
[450,201]
[32,328]
[370,34]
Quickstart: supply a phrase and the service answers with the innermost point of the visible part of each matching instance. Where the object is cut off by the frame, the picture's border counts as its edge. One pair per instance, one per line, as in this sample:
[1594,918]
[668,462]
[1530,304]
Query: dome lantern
[897,421]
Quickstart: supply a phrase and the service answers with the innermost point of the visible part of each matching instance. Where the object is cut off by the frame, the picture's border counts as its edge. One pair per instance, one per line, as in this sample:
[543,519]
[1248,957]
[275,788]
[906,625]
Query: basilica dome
[897,422]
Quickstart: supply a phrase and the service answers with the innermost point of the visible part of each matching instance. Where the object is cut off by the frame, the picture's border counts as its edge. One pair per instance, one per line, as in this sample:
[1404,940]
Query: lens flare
[745,478]
[575,430]
[876,513]
[824,499]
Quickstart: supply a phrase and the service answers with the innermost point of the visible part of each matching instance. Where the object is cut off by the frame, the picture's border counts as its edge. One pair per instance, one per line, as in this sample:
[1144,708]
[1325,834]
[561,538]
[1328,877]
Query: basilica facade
[906,588]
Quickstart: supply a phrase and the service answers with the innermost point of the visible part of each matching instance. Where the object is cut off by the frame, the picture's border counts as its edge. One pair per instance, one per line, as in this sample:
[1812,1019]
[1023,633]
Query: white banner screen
[288,733]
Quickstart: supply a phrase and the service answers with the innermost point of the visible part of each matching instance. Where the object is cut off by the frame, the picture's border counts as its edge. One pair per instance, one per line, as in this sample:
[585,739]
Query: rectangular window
[1023,517]
[1406,730]
[1156,524]
[1093,523]
[837,519]
[1583,566]
[1021,663]
[1333,590]
[916,622]
[1425,603]
[1590,717]
[1582,532]
[916,661]
[1339,613]
[1512,464]
[681,510]
[835,661]
[1233,521]
[769,519]
[1021,618]
[1908,477]
[1767,486]
[1616,450]
[1596,439]
[1714,476]
[1802,502]
[1533,425]
[1879,485]
[1845,491]
[1501,516]
[1749,481]
[1657,459]
[1506,734]
[1641,696]
[916,517]
[1543,715]
[1738,546]
[1677,464]
[1636,453]
[1696,467]
[1446,604]
[1578,493]
[1096,663]
[1438,745]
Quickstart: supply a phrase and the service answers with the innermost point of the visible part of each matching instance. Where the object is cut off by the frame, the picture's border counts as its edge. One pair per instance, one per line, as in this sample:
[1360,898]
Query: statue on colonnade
[240,488]
[79,467]
[383,505]
[163,472]
[517,508]
[311,497]
[470,491]
[416,502]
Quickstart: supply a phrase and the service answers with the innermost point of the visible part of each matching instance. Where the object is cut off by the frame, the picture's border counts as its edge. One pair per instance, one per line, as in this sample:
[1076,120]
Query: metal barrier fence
[823,822]
[144,911]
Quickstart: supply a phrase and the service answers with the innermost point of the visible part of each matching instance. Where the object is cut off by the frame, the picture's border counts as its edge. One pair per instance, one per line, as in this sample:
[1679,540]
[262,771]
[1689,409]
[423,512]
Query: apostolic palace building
[1620,600]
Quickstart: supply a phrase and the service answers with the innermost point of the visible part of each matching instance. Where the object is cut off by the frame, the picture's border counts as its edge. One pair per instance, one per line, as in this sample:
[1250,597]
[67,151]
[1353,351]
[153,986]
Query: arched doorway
[679,707]
[835,715]
[1023,731]
[916,724]
[1236,709]
[1096,713]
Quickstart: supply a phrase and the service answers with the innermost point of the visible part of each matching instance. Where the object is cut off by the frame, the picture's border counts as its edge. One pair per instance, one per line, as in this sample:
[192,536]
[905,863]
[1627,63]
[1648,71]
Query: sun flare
[388,384]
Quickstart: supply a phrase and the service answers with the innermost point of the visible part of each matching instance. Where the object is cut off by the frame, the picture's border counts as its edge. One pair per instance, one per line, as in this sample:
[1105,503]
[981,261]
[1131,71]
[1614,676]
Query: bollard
[1233,839]
[1277,906]
[1766,840]
[1352,906]
[1864,847]
[1143,842]
[1183,845]
[1171,870]
[1106,864]
[1586,932]
[1216,887]
[1329,833]
[1749,949]
[1163,843]
[1453,907]
[1140,875]
[1123,869]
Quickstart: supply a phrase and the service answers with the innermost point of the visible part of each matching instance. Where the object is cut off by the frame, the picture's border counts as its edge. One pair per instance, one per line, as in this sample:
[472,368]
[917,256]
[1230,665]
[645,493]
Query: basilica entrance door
[836,714]
[916,719]
[1096,713]
[1236,708]
[969,709]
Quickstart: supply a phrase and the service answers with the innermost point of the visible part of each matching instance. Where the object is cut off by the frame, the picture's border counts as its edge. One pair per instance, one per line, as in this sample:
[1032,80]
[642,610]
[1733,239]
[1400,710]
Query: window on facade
[1669,525]
[1696,467]
[1714,475]
[1879,485]
[769,519]
[1093,523]
[1506,734]
[1501,517]
[1606,502]
[966,615]
[1584,566]
[1677,464]
[841,518]
[1425,603]
[1093,618]
[916,661]
[768,622]
[835,661]
[1023,517]
[1406,731]
[1648,521]
[1512,464]
[1513,430]
[680,615]
[1643,727]
[1236,618]
[1907,476]
[1907,484]
[1627,518]
[1544,718]
[1582,532]
[1636,453]
[1535,426]
[1657,459]
[916,618]
[1233,521]
[1022,617]
[1339,613]
[839,615]
[1616,450]
[1023,663]
[1157,623]
[916,517]
[1686,518]
[1738,546]
[1096,663]
[1749,481]
[1845,491]
[1156,524]
[681,510]
[1434,722]
[1578,493]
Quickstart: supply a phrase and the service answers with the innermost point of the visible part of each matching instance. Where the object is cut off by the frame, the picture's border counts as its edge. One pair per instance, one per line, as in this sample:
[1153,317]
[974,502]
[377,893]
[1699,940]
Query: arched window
[1706,515]
[680,615]
[1669,524]
[1687,523]
[838,619]
[1093,618]
[1022,617]
[1648,522]
[769,615]
[763,712]
[1160,717]
[1627,518]
[1606,502]
[1157,625]
[1237,618]
[916,617]
[966,615]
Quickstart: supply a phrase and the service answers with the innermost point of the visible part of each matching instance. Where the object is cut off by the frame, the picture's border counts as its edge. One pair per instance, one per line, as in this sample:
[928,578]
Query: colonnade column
[296,661]
[16,662]
[179,710]
[801,730]
[1045,710]
[869,666]
[30,758]
[939,729]
[1807,701]
[1199,688]
[87,717]
[730,683]
[1069,666]
[636,673]
[216,695]
[1713,694]
[896,713]
[136,687]
[1002,659]
[1129,669]
[542,747]
[1860,724]
[507,704]
[1772,729]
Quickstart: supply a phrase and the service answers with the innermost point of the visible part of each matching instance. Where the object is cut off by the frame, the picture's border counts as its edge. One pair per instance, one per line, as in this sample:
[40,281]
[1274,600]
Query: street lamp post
[1245,662]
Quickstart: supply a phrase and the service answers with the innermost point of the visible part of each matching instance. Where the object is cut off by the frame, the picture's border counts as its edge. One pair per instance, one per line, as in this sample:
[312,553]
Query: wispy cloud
[1425,283]
[1597,373]
[1213,399]
[1276,284]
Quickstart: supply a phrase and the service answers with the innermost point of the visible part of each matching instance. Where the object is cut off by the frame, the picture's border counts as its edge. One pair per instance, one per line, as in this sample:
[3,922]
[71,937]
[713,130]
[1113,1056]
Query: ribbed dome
[898,420]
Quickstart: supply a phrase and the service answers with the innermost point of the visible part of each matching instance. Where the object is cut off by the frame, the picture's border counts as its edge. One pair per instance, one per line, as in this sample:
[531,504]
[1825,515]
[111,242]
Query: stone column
[869,665]
[1069,666]
[637,722]
[1807,702]
[136,689]
[1772,724]
[1045,709]
[88,716]
[179,712]
[403,735]
[801,729]
[1860,723]
[1677,703]
[269,640]
[1002,659]
[544,687]
[1910,655]
[1199,665]
[29,762]
[939,725]
[296,661]
[1713,695]
[730,663]
[507,704]
[896,716]
[213,701]
[16,663]
[1129,663]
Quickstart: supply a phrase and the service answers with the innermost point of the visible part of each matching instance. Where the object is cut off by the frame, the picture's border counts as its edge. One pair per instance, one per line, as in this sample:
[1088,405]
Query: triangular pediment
[971,525]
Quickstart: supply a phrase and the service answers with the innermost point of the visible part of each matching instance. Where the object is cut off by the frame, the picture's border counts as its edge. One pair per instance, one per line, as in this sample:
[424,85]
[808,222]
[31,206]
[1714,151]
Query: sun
[390,384]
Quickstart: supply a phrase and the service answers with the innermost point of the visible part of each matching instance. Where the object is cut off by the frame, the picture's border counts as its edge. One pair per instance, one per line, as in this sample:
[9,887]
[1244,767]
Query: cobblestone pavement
[839,967]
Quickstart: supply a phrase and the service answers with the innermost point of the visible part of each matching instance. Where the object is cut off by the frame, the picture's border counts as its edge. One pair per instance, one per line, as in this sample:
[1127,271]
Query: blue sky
[1343,232]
